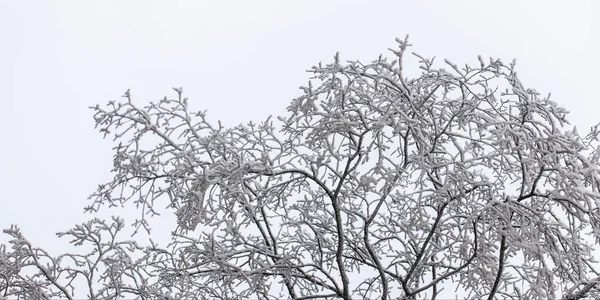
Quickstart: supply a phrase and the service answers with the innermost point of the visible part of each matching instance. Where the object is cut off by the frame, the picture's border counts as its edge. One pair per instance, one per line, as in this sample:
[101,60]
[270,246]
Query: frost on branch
[107,270]
[374,185]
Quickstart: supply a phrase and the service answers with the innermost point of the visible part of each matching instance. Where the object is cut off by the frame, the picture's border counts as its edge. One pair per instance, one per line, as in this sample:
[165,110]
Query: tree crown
[374,185]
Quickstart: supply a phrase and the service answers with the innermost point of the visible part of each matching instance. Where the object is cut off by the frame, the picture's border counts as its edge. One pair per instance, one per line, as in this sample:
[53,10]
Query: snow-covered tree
[373,186]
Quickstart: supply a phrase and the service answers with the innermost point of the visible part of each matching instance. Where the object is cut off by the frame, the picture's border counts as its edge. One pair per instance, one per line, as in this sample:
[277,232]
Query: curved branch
[500,268]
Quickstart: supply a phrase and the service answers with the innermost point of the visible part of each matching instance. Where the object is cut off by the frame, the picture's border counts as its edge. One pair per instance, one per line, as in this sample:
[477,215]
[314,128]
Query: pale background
[241,60]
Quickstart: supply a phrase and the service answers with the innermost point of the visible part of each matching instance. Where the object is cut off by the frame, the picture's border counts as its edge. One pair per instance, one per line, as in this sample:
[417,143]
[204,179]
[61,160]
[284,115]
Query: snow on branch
[374,185]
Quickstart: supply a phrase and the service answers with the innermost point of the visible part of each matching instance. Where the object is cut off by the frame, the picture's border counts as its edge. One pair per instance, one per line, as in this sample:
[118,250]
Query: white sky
[241,60]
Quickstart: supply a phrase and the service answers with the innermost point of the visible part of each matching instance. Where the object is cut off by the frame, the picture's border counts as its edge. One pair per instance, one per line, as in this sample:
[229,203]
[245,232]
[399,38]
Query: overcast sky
[240,60]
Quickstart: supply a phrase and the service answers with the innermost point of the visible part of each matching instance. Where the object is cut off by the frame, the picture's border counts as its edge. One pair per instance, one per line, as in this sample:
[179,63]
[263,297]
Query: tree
[373,186]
